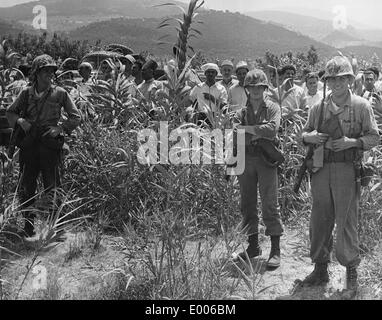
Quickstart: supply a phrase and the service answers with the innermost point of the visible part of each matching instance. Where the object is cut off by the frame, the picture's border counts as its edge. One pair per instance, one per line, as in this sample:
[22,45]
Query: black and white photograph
[190,156]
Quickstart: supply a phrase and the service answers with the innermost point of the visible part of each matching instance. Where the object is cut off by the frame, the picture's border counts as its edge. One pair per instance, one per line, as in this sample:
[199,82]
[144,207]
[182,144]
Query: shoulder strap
[322,109]
[42,104]
[25,102]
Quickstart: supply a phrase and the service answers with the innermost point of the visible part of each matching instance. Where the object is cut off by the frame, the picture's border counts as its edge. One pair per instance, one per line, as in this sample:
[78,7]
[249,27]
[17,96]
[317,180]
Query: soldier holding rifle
[339,130]
[39,131]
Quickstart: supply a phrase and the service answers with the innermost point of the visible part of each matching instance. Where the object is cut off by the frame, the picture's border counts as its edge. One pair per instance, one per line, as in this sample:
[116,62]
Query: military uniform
[41,153]
[259,172]
[334,189]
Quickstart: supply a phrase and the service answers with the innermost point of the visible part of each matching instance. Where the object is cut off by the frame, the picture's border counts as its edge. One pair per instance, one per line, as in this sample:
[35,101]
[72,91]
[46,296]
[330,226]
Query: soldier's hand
[315,137]
[344,143]
[53,131]
[24,124]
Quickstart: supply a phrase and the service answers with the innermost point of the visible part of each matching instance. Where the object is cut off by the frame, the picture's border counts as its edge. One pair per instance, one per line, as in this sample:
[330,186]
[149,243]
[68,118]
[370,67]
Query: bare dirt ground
[76,272]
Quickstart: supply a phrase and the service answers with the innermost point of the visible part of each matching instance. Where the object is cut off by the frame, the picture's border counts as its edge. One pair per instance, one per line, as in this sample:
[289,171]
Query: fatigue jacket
[266,121]
[356,119]
[55,98]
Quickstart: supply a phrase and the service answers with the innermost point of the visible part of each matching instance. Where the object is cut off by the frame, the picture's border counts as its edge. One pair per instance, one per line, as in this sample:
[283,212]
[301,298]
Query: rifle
[309,155]
[16,132]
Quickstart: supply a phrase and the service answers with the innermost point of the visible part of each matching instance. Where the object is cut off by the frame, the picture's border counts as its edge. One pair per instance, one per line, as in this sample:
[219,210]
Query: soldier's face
[369,81]
[45,76]
[339,85]
[227,72]
[256,92]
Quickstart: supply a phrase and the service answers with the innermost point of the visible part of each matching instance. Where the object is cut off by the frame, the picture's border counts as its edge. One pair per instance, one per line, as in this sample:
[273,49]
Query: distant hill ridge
[224,34]
[129,8]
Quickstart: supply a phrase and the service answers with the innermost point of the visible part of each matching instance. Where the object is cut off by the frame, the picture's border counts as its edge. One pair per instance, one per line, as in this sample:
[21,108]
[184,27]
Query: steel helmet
[256,77]
[338,66]
[43,61]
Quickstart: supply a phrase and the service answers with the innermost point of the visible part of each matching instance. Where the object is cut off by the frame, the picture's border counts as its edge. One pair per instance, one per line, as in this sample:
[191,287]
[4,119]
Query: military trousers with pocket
[335,202]
[256,175]
[36,159]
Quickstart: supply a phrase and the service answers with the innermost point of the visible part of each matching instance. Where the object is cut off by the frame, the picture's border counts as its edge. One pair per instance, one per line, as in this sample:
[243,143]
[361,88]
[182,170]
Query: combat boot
[318,277]
[252,251]
[274,256]
[351,283]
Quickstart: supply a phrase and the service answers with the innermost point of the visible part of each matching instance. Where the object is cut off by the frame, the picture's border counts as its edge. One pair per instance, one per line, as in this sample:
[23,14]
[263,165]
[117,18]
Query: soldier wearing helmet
[340,129]
[237,97]
[260,120]
[37,110]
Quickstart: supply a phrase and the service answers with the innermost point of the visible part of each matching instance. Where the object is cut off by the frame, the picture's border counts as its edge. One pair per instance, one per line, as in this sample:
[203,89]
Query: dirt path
[74,273]
[281,284]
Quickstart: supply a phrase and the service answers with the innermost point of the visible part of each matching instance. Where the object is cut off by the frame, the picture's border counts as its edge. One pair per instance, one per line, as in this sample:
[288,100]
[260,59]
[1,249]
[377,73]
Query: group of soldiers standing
[340,127]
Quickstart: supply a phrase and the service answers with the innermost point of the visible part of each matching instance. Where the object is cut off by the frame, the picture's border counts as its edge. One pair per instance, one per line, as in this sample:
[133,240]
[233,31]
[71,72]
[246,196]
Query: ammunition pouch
[349,155]
[56,143]
[268,151]
[364,173]
[35,135]
[309,165]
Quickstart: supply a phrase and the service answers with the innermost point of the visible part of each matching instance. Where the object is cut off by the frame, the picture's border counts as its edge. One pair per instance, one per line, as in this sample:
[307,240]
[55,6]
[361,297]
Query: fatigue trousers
[257,173]
[335,201]
[36,159]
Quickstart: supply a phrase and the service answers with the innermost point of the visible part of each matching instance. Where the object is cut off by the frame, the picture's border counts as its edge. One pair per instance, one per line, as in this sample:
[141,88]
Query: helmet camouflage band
[338,66]
[43,61]
[255,77]
[40,62]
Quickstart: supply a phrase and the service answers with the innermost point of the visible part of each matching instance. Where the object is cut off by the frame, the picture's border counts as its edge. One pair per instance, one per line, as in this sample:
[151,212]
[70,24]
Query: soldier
[340,129]
[261,120]
[37,110]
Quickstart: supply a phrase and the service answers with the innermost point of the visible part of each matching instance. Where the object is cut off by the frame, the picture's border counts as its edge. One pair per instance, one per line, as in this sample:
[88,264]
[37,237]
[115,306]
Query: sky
[367,13]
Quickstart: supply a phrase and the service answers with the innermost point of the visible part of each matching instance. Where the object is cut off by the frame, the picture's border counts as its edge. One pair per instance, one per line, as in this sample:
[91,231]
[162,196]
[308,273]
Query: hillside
[10,28]
[321,29]
[225,34]
[314,27]
[340,39]
[365,52]
[69,14]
